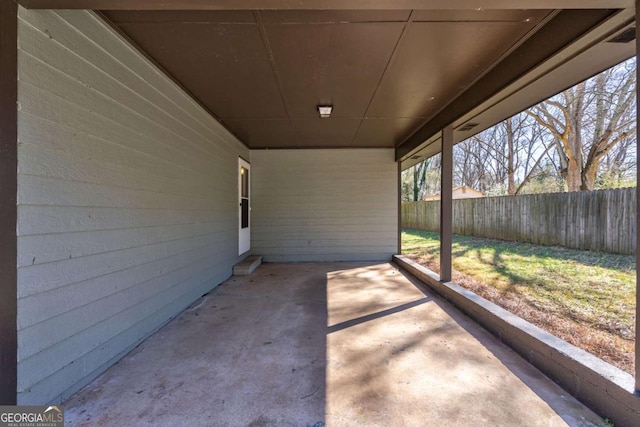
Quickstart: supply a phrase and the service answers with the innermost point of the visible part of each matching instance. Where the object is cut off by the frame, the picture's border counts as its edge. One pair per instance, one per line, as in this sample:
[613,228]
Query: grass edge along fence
[601,220]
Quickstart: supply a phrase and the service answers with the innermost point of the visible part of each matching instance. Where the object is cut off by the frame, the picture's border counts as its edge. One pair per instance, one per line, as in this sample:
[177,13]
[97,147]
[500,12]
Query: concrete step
[247,266]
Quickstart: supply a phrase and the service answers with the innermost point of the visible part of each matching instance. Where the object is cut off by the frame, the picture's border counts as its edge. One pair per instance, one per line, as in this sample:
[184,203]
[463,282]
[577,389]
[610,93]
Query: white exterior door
[244,209]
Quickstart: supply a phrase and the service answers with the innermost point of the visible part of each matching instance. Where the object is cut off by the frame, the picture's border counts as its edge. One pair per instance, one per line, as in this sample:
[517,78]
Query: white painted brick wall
[127,201]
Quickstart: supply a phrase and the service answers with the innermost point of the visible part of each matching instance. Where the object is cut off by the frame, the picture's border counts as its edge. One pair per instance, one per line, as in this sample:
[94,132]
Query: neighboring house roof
[462,192]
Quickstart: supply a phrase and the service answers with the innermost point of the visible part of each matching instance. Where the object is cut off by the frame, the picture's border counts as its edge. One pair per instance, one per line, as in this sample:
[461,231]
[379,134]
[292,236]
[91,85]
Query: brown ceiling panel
[225,65]
[515,15]
[386,72]
[339,64]
[268,133]
[436,61]
[183,16]
[333,16]
[385,132]
[332,132]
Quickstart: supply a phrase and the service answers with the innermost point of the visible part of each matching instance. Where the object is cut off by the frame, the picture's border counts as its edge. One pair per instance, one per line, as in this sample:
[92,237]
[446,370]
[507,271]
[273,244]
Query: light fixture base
[325,111]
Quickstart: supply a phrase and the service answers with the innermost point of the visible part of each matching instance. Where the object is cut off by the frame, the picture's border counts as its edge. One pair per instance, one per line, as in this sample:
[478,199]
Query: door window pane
[244,177]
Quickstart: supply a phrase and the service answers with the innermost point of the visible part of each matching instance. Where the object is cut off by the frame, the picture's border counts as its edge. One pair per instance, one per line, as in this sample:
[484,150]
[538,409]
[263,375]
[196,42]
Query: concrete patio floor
[314,344]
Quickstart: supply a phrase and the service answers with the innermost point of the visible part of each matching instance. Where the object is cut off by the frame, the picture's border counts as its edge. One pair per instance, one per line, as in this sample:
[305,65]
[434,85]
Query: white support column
[446,202]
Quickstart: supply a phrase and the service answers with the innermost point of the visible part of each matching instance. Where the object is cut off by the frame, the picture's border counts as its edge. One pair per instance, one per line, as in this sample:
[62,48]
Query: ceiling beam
[322,4]
[562,30]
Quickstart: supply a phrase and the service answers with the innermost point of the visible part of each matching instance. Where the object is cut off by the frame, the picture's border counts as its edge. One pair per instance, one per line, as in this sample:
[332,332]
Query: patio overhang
[572,47]
[318,4]
[395,72]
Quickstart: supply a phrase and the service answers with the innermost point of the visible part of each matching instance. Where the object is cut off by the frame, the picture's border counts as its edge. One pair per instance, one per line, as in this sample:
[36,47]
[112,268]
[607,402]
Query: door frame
[244,233]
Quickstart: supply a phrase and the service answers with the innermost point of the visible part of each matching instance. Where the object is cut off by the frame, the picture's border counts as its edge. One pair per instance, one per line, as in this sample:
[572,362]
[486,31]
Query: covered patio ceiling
[395,72]
[386,72]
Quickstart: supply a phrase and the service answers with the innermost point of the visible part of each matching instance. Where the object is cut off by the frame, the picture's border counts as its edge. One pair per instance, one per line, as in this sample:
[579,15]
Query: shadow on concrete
[362,319]
[565,406]
[314,344]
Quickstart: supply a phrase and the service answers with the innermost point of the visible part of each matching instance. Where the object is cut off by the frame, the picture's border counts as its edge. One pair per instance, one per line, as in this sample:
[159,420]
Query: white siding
[324,205]
[127,201]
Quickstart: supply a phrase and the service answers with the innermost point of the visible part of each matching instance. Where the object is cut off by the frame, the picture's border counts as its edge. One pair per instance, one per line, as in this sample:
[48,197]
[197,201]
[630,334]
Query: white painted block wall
[127,201]
[324,205]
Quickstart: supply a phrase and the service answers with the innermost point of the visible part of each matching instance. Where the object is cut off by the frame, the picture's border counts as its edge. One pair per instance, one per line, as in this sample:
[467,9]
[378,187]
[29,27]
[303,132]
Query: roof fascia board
[323,4]
[561,31]
[534,86]
[577,52]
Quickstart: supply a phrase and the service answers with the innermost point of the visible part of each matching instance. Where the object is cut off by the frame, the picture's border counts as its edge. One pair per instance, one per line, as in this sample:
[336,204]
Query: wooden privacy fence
[603,220]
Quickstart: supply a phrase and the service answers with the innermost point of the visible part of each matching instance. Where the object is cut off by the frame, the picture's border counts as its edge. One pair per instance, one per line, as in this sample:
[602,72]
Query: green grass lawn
[590,288]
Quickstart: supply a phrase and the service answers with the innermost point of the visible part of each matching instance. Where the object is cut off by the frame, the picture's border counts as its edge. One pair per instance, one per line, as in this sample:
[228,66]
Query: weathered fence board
[602,220]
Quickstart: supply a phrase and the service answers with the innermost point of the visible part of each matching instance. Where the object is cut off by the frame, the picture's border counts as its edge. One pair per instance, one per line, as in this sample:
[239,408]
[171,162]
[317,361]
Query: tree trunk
[511,178]
[573,136]
[416,187]
[573,176]
[419,178]
[589,175]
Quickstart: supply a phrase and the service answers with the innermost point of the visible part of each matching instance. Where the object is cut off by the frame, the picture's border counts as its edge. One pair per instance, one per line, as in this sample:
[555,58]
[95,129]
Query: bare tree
[419,178]
[473,166]
[536,154]
[618,167]
[588,120]
[614,120]
[580,139]
[507,155]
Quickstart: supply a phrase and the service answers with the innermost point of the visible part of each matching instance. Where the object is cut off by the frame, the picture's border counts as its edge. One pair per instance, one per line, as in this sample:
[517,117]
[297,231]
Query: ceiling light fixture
[325,111]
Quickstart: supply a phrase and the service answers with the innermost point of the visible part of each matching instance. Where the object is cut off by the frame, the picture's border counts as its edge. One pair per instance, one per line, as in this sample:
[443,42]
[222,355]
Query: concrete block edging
[604,388]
